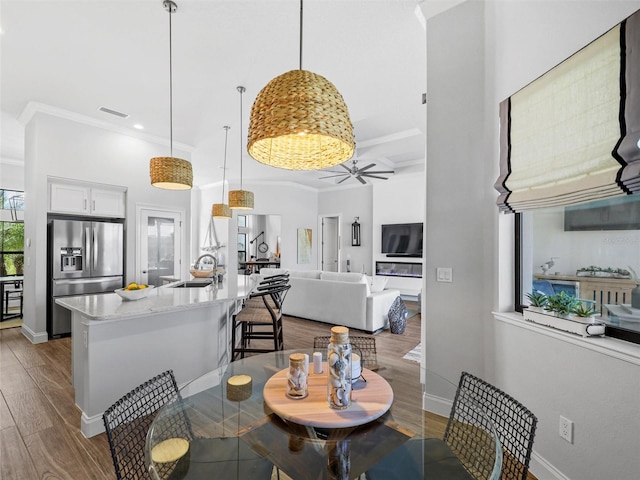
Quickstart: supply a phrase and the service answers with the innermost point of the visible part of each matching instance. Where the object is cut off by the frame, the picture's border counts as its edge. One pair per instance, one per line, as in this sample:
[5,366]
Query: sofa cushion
[269,271]
[343,277]
[305,274]
[377,283]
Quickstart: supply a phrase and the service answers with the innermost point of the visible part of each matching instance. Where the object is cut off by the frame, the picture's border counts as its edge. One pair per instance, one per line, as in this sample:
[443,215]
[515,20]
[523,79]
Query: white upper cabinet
[85,199]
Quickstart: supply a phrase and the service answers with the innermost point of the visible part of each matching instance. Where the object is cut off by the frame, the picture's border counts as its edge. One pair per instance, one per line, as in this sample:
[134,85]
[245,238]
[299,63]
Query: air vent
[114,112]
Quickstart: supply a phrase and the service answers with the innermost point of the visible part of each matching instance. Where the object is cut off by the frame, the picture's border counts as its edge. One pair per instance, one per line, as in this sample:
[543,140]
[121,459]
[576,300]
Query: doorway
[159,245]
[330,237]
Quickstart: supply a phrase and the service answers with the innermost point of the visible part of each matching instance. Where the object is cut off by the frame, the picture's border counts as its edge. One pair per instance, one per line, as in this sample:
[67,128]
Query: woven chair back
[467,429]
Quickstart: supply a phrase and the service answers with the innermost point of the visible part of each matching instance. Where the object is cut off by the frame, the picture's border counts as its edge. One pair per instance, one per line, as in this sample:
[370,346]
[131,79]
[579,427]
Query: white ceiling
[80,55]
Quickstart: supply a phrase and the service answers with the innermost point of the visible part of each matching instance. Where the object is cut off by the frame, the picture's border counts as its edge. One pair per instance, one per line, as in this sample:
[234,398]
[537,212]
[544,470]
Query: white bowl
[134,294]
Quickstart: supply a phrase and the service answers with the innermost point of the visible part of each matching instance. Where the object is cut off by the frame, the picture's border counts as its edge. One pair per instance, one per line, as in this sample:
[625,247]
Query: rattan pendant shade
[241,199]
[222,210]
[170,173]
[299,121]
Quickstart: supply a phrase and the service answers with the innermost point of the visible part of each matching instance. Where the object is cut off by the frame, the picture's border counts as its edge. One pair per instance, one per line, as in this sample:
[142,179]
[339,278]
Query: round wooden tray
[369,400]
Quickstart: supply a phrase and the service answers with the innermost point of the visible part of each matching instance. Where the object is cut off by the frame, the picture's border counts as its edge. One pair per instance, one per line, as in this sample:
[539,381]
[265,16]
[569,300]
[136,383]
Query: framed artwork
[304,245]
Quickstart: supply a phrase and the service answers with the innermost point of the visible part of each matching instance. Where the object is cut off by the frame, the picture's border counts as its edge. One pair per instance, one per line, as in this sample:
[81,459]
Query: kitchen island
[118,344]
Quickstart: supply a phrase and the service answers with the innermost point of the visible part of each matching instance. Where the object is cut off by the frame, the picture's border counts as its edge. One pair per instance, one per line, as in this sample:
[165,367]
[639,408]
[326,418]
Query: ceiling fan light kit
[170,173]
[299,121]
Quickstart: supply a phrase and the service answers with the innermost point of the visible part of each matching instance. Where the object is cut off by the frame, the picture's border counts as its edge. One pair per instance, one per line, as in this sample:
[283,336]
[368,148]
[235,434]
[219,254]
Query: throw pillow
[398,316]
[377,283]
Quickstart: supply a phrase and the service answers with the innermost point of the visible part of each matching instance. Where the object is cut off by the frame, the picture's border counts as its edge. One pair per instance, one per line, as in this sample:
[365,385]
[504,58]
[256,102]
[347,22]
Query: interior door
[159,245]
[330,244]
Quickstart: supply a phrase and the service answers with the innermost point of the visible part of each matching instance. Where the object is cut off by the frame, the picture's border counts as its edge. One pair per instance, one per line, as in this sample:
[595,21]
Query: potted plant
[537,300]
[584,309]
[561,304]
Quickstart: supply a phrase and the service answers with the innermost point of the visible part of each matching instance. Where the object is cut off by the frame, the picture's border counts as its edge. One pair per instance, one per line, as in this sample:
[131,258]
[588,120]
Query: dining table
[236,422]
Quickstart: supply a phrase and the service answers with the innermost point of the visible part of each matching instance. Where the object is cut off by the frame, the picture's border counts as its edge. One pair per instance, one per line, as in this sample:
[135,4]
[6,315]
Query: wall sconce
[355,233]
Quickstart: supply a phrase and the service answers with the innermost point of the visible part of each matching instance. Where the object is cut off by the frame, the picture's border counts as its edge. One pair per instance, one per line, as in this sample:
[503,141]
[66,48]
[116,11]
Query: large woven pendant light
[299,121]
[170,173]
[241,199]
[222,210]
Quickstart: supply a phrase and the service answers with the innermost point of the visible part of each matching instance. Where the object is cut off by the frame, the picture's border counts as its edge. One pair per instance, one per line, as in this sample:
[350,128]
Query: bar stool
[13,294]
[260,322]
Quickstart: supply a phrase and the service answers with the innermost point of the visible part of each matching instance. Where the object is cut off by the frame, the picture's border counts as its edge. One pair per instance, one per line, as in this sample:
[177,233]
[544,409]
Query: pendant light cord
[300,35]
[170,85]
[241,90]
[224,168]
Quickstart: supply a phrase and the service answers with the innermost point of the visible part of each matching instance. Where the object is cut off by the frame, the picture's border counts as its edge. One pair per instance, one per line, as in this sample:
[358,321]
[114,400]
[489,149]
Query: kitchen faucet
[196,265]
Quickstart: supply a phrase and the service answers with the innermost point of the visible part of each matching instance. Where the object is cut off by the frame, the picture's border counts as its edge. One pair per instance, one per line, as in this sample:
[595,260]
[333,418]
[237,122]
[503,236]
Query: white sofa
[350,299]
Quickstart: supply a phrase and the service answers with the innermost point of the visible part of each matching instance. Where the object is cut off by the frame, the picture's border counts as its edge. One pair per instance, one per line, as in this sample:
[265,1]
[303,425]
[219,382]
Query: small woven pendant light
[170,173]
[299,121]
[240,199]
[222,210]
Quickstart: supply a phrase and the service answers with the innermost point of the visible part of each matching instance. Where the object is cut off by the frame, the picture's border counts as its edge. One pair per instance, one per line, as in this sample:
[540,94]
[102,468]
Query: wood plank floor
[40,425]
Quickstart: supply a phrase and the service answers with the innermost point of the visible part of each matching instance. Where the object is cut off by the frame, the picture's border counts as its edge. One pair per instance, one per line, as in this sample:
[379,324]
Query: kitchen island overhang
[118,344]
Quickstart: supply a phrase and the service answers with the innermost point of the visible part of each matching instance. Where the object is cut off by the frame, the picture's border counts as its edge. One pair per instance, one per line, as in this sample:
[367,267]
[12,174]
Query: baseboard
[438,405]
[91,426]
[34,337]
[543,470]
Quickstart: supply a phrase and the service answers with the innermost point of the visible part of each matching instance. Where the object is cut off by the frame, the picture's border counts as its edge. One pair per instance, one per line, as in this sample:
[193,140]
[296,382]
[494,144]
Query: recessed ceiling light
[138,126]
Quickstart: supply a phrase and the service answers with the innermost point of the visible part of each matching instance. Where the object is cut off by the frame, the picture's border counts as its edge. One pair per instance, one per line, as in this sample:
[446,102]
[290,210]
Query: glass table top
[204,434]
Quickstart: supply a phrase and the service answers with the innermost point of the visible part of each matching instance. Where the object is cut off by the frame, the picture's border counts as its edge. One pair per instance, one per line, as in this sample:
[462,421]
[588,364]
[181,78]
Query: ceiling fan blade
[345,178]
[378,171]
[345,167]
[361,180]
[374,176]
[332,176]
[367,167]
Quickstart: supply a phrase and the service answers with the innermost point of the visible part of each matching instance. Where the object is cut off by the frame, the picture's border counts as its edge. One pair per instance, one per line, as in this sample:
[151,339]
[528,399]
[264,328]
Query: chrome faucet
[196,265]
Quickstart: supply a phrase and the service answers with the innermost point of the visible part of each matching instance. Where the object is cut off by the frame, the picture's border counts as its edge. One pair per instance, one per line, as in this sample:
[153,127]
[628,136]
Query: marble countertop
[111,307]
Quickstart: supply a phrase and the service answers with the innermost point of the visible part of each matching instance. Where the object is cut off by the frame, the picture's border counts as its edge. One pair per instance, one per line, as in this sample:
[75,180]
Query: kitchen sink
[194,283]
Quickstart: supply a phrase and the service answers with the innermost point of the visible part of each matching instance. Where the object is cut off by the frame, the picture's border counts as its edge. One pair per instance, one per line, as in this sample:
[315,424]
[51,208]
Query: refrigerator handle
[87,248]
[94,249]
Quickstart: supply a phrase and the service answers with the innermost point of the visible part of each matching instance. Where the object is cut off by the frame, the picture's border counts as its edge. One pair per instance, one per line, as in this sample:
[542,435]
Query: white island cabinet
[118,344]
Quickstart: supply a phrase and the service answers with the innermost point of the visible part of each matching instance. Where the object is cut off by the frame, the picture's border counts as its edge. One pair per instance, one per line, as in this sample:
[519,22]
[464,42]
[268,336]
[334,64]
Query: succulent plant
[583,309]
[561,303]
[537,299]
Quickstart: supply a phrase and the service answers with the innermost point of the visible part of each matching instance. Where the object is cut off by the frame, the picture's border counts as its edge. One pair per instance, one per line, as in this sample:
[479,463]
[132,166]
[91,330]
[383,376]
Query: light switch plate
[444,274]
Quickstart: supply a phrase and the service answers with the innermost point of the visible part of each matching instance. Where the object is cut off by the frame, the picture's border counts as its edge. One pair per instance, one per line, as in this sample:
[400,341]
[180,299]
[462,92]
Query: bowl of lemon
[135,291]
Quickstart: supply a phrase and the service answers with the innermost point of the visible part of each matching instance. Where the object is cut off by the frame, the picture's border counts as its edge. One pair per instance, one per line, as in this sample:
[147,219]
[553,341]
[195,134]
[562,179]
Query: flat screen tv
[402,239]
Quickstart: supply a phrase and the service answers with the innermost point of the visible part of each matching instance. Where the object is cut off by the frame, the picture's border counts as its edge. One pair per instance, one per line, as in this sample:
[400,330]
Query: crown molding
[33,108]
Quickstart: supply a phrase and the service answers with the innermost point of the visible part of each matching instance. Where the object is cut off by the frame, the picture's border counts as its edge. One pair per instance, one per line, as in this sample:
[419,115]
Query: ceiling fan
[357,173]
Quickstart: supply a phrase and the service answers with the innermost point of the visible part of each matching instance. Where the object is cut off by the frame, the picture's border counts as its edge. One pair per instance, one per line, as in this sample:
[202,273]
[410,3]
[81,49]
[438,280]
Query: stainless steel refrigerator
[85,257]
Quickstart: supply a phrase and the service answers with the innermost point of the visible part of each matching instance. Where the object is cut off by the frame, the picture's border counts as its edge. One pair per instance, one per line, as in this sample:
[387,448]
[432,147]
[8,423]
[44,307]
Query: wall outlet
[566,429]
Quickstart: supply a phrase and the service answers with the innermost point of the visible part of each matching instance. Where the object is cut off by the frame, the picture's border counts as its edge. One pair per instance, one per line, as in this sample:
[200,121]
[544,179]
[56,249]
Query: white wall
[398,200]
[552,376]
[12,176]
[349,203]
[460,207]
[64,148]
[297,205]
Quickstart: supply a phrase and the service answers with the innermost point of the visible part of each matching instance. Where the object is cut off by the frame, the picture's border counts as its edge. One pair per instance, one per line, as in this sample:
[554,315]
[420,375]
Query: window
[591,251]
[11,233]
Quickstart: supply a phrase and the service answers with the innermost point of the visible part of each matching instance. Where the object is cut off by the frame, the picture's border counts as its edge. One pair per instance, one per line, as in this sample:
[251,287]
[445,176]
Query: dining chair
[128,420]
[364,346]
[260,322]
[467,450]
[515,425]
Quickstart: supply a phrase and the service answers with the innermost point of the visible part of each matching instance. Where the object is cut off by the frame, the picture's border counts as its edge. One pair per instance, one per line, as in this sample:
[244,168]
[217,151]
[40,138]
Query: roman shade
[572,135]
